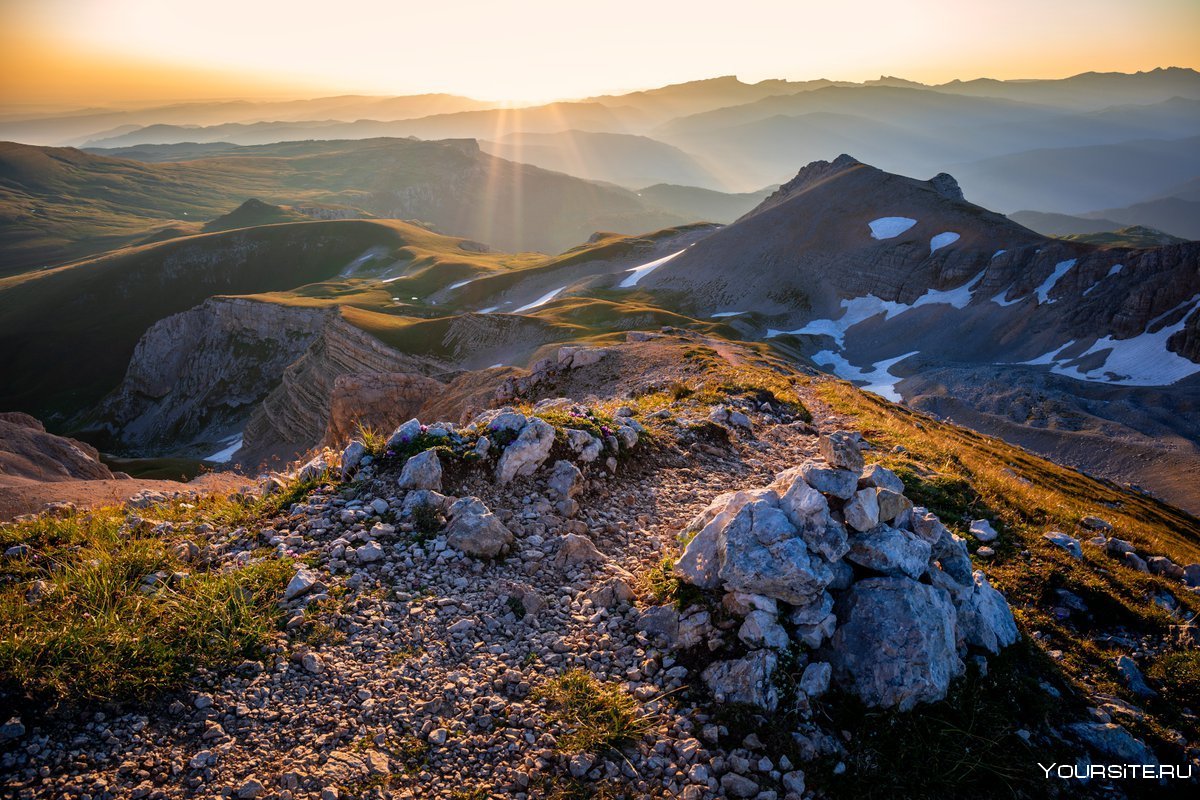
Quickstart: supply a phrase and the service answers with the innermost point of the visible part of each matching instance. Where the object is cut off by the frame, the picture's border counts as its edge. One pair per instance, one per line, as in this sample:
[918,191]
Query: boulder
[893,506]
[762,629]
[983,531]
[840,450]
[499,420]
[840,483]
[862,510]
[475,530]
[808,510]
[1191,575]
[984,618]
[1096,524]
[950,553]
[352,456]
[627,435]
[661,624]
[422,471]
[527,452]
[1161,565]
[761,552]
[575,549]
[699,565]
[744,680]
[816,678]
[584,445]
[895,644]
[881,478]
[1112,741]
[1068,543]
[891,551]
[565,480]
[404,435]
[1131,676]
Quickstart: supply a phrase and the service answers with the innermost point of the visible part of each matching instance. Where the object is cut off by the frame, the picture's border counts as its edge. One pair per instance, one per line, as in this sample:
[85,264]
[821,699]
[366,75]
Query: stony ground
[406,668]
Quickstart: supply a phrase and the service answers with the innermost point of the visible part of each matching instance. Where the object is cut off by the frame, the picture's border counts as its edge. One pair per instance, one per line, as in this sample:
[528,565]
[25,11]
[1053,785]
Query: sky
[113,52]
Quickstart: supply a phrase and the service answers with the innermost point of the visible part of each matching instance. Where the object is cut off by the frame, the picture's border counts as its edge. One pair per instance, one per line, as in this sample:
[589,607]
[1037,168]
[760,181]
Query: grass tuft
[596,716]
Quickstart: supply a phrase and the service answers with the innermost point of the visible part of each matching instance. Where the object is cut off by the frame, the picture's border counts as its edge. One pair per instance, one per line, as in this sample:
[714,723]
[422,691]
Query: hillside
[443,598]
[58,204]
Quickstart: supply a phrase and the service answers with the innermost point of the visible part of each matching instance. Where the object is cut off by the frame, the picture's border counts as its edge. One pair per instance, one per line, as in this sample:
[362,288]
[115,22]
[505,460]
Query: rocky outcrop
[888,611]
[375,400]
[295,415]
[29,453]
[195,376]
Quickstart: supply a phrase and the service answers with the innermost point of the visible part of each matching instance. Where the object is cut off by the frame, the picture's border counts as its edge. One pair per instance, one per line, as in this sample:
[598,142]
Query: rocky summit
[570,592]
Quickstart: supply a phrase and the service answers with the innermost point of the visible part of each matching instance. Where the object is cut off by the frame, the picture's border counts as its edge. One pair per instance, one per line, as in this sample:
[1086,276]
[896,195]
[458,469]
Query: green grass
[96,635]
[594,716]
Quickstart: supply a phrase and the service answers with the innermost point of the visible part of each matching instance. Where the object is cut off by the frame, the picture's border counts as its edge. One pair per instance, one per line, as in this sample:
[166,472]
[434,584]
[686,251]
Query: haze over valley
[369,431]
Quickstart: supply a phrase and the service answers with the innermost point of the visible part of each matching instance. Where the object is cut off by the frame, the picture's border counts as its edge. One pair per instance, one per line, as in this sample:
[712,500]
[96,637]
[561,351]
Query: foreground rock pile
[835,561]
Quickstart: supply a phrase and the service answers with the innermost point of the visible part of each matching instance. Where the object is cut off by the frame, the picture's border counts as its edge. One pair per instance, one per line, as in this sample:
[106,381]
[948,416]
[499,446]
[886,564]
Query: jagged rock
[841,483]
[699,564]
[761,552]
[575,549]
[576,357]
[1191,575]
[301,583]
[565,480]
[527,452]
[694,627]
[1161,565]
[982,530]
[762,629]
[352,456]
[881,478]
[984,618]
[793,782]
[313,470]
[744,680]
[895,644]
[584,445]
[368,553]
[610,593]
[405,434]
[1068,543]
[661,624]
[862,510]
[1118,547]
[499,420]
[1112,741]
[1134,561]
[808,510]
[815,680]
[813,635]
[840,449]
[422,471]
[1132,677]
[945,185]
[893,507]
[890,551]
[475,530]
[740,603]
[950,552]
[627,436]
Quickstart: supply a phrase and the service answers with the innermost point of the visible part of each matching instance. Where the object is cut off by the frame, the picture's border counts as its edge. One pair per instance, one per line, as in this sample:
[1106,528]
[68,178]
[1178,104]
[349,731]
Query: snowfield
[890,227]
[878,377]
[637,273]
[224,455]
[1060,269]
[541,301]
[942,240]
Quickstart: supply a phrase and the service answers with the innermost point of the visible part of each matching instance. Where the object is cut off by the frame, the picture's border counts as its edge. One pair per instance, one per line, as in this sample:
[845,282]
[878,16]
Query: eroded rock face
[895,644]
[528,452]
[375,400]
[29,453]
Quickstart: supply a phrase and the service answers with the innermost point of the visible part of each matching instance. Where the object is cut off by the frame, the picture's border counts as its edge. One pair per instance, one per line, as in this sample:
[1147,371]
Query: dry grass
[594,716]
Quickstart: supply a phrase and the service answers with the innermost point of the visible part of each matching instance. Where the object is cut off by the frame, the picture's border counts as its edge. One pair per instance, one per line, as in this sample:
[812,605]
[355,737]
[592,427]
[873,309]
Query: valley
[717,440]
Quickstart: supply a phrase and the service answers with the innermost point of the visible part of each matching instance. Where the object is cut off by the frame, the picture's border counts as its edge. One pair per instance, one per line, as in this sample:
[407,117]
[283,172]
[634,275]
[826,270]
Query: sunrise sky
[99,52]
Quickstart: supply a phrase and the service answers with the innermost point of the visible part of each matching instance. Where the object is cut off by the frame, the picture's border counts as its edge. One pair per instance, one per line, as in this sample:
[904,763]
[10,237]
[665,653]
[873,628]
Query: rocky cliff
[295,415]
[196,376]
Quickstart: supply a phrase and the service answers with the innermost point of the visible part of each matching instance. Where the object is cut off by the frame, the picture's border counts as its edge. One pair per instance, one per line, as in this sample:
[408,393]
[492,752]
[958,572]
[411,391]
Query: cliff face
[294,416]
[195,376]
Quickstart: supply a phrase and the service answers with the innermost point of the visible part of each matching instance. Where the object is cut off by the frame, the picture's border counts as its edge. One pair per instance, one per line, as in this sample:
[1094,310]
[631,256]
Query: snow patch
[890,227]
[998,253]
[371,253]
[1060,269]
[224,455]
[541,301]
[460,284]
[942,240]
[720,314]
[1000,301]
[878,377]
[959,298]
[637,273]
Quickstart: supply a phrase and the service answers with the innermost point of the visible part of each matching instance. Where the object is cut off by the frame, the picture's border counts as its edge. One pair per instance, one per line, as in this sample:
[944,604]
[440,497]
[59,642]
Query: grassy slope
[963,475]
[58,203]
[62,346]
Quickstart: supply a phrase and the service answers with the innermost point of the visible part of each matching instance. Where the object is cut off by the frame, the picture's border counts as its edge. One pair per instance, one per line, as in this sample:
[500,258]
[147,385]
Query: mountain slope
[56,204]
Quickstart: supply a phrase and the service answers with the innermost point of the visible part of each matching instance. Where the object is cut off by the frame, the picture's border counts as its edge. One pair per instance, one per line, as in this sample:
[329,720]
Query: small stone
[250,788]
[1068,543]
[982,530]
[438,736]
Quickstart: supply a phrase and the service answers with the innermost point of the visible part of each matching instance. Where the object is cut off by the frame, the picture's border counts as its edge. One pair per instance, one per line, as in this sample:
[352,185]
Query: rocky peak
[945,185]
[809,175]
